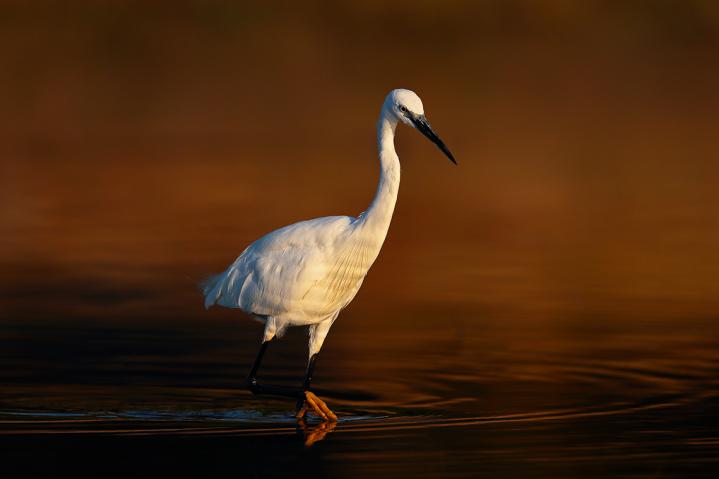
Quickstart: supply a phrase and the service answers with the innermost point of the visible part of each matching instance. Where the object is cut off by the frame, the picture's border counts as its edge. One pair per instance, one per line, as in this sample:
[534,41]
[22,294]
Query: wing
[273,275]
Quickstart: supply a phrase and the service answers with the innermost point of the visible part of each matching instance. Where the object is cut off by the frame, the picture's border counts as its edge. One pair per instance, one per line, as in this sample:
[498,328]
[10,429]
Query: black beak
[421,123]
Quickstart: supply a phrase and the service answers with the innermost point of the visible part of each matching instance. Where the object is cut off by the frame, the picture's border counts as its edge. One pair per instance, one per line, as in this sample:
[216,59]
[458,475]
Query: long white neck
[379,214]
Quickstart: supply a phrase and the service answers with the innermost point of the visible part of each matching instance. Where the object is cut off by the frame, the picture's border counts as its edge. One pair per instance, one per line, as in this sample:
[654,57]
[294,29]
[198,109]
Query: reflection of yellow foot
[316,433]
[317,406]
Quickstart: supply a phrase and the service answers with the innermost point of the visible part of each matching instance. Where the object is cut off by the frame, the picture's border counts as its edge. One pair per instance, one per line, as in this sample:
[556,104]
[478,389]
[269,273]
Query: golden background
[143,145]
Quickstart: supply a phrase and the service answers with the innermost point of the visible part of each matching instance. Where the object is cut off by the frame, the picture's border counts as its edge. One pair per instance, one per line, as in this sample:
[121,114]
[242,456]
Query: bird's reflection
[312,433]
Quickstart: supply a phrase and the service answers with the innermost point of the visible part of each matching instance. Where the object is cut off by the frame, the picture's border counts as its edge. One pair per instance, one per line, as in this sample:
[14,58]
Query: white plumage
[306,273]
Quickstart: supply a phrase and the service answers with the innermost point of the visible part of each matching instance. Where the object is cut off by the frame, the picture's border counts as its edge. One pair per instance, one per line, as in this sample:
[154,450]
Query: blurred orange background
[144,145]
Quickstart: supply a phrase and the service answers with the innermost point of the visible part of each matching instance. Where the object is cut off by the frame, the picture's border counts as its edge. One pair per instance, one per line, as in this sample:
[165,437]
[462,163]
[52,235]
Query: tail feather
[211,288]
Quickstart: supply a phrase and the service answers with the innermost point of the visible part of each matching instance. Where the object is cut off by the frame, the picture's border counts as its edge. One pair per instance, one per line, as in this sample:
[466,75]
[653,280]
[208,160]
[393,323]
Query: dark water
[457,395]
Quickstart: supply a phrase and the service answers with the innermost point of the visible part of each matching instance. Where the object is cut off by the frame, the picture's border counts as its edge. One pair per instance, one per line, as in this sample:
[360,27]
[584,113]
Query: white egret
[304,274]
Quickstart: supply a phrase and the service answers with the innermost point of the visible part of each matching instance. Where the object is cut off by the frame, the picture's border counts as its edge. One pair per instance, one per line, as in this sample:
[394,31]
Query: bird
[304,274]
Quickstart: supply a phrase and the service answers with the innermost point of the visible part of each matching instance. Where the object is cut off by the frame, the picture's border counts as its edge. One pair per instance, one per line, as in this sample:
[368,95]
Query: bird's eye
[403,109]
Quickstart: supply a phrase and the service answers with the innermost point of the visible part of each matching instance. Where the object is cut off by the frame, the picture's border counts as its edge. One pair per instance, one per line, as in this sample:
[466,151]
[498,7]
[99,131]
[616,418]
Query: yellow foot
[317,406]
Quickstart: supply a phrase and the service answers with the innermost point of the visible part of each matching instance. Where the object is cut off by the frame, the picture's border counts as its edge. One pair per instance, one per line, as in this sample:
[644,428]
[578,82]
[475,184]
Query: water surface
[597,400]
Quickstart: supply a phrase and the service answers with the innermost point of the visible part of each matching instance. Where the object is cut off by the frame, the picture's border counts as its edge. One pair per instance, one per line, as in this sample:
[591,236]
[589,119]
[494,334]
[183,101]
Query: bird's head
[406,107]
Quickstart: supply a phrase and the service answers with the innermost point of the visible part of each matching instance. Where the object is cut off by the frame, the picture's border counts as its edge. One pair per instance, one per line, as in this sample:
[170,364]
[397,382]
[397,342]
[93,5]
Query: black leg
[252,378]
[256,388]
[308,379]
[310,371]
[302,394]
